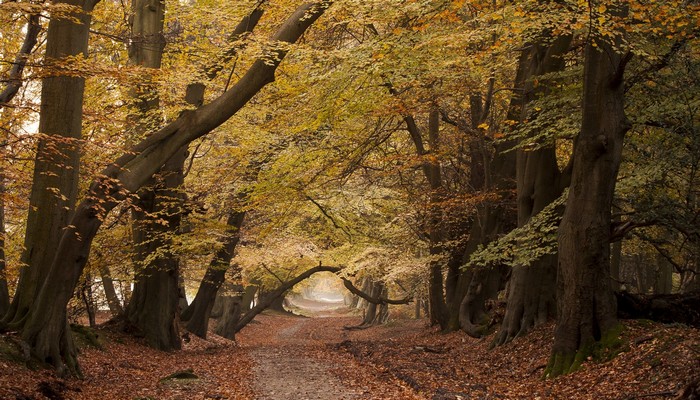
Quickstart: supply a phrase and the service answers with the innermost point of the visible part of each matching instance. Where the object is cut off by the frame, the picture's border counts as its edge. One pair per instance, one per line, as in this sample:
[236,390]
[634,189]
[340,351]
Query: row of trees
[461,149]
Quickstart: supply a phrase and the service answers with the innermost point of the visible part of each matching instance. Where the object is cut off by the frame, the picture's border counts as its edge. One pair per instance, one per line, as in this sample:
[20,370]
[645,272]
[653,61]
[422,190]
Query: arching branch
[374,300]
[283,288]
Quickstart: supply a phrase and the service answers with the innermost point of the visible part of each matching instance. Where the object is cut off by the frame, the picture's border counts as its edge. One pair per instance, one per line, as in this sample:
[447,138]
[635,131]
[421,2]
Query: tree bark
[154,305]
[480,285]
[115,306]
[55,180]
[4,292]
[531,298]
[586,310]
[14,77]
[44,329]
[231,304]
[198,313]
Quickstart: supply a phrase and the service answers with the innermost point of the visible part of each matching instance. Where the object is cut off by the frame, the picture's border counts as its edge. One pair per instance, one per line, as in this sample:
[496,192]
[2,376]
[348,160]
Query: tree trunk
[663,284]
[4,292]
[44,330]
[586,310]
[115,306]
[89,299]
[197,314]
[154,305]
[484,284]
[57,162]
[531,291]
[231,305]
[376,314]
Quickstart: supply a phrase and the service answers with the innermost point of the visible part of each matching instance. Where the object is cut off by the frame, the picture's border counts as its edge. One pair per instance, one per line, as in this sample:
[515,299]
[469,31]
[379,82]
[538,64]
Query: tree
[586,311]
[56,167]
[531,296]
[45,326]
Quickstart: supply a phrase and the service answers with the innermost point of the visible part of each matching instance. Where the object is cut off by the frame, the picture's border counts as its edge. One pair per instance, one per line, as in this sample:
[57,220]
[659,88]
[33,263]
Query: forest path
[294,358]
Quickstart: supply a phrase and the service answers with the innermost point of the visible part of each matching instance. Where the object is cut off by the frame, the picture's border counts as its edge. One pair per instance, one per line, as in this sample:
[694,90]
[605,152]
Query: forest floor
[290,357]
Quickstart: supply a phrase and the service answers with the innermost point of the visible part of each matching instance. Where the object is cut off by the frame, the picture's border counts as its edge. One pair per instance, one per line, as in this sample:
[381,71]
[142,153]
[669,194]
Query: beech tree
[44,329]
[56,167]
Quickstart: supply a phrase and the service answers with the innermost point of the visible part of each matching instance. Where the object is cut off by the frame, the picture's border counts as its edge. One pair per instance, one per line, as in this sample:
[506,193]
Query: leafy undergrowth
[126,369]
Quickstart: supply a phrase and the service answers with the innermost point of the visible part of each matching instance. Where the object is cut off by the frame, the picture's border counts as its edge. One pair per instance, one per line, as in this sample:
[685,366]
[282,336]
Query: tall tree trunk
[153,308]
[88,297]
[483,284]
[115,306]
[531,298]
[154,305]
[45,327]
[56,166]
[4,292]
[586,309]
[197,314]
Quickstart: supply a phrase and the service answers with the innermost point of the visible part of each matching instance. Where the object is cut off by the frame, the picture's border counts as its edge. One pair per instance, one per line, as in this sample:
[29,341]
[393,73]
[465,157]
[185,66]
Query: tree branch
[14,79]
[273,295]
[659,65]
[374,300]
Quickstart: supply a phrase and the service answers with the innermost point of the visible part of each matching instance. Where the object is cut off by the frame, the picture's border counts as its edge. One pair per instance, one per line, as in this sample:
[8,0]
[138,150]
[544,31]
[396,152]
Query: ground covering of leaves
[657,361]
[404,359]
[126,369]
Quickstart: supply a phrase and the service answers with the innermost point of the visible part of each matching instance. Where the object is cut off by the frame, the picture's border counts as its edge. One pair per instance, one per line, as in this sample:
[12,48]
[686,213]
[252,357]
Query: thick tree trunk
[154,305]
[198,313]
[586,310]
[231,305]
[376,313]
[483,284]
[531,298]
[44,329]
[55,180]
[115,306]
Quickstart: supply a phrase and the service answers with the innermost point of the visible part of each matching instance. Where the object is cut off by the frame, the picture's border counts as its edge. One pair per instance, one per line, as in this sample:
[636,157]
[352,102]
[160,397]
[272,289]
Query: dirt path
[284,370]
[294,359]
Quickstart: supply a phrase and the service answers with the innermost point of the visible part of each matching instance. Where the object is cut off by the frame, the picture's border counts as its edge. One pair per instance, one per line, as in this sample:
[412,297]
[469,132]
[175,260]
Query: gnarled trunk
[586,309]
[531,298]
